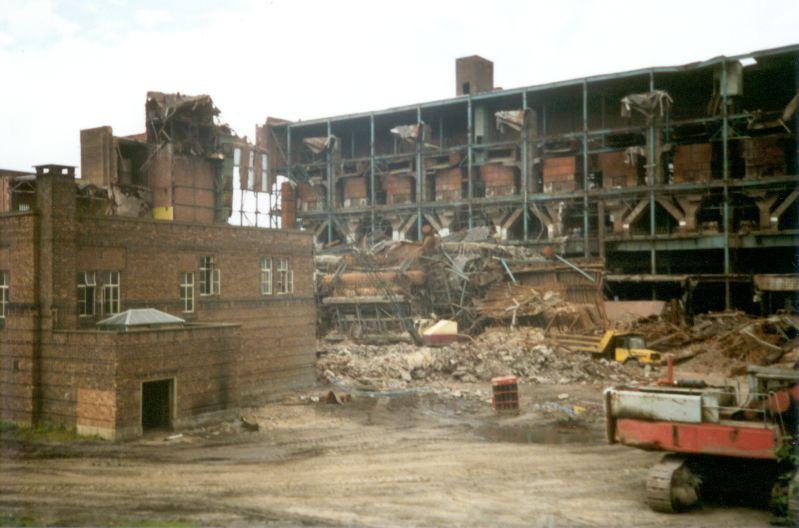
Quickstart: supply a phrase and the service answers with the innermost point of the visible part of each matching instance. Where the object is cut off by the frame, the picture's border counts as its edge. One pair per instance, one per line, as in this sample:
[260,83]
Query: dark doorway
[156,404]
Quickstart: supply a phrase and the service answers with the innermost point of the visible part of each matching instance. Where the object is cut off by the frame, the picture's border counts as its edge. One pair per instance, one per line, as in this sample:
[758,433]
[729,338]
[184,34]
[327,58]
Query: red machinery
[718,438]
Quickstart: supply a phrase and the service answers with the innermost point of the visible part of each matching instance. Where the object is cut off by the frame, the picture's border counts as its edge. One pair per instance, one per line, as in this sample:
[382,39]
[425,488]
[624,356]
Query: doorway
[156,404]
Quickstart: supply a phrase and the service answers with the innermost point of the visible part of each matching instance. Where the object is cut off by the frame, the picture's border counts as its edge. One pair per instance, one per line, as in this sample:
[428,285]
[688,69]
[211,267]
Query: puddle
[551,433]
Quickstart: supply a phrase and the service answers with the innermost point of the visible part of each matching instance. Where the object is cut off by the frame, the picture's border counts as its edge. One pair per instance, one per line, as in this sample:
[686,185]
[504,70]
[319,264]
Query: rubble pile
[366,290]
[726,342]
[525,353]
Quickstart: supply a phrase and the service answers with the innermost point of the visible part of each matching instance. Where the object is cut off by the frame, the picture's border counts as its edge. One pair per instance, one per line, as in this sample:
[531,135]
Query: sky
[67,65]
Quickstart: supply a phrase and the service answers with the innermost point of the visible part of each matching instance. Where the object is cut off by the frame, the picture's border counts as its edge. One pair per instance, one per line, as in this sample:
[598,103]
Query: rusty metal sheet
[787,282]
[319,144]
[648,103]
[510,118]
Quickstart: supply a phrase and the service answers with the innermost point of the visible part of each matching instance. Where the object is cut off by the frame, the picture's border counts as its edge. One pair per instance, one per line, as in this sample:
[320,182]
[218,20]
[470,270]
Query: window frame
[285,276]
[87,294]
[210,276]
[266,276]
[5,293]
[111,293]
[251,171]
[186,287]
[264,173]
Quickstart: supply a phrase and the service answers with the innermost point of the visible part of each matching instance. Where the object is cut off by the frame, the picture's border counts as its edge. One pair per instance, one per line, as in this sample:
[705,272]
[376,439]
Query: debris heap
[726,342]
[524,352]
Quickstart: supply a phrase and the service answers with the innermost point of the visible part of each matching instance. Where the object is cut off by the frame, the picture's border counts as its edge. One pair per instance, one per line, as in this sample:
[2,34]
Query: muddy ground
[440,458]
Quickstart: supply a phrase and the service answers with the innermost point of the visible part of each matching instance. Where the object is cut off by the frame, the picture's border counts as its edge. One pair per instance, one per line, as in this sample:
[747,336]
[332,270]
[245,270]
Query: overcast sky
[67,65]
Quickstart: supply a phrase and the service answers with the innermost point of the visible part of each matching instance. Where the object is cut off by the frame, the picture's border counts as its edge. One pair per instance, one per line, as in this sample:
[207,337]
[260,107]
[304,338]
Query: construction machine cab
[623,346]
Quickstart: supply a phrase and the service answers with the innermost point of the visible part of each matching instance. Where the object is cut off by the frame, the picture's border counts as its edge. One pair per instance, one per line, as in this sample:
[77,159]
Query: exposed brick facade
[561,174]
[499,180]
[399,189]
[693,163]
[616,172]
[449,184]
[240,344]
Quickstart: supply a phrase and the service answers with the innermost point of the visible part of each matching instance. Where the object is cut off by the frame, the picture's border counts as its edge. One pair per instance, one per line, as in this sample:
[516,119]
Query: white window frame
[111,302]
[251,172]
[187,291]
[264,173]
[5,290]
[210,277]
[266,276]
[285,276]
[87,293]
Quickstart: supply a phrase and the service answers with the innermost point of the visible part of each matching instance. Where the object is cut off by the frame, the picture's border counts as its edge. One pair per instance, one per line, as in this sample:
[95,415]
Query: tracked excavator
[728,442]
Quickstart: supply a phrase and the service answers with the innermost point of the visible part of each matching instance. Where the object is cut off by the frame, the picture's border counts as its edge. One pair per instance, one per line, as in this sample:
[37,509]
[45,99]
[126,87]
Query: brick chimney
[473,74]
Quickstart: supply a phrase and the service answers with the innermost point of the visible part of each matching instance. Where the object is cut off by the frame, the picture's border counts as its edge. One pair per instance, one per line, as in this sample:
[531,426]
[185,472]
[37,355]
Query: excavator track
[670,485]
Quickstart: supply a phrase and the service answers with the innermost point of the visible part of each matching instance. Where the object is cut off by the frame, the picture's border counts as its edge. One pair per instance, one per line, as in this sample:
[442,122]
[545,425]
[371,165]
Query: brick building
[246,295]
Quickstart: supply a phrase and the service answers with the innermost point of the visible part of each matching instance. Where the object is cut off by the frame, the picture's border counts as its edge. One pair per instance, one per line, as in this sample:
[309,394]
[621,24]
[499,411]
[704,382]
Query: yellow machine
[627,346]
[621,346]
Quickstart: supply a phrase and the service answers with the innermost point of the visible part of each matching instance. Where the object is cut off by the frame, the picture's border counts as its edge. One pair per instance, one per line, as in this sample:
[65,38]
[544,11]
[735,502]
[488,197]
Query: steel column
[469,139]
[586,248]
[525,175]
[329,170]
[651,175]
[372,168]
[420,172]
[725,175]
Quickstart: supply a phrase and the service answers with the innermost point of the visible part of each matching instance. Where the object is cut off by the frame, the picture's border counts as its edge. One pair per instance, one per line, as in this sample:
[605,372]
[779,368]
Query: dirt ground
[433,459]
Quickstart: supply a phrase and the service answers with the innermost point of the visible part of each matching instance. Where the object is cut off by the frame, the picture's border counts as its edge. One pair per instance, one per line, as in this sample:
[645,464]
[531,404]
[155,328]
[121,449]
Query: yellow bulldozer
[621,346]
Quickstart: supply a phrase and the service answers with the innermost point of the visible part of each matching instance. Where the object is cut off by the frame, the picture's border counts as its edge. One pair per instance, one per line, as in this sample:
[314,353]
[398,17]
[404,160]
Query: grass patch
[43,433]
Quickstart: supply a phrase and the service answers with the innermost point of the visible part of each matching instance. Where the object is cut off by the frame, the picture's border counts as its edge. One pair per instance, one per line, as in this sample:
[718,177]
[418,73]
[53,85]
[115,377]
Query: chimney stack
[473,74]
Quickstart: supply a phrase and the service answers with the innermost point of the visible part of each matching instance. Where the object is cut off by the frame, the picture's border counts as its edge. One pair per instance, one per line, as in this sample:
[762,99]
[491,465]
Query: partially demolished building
[127,301]
[681,180]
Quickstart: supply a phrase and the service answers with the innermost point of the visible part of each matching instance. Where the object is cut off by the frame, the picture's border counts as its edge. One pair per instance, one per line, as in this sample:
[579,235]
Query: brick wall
[43,252]
[91,380]
[499,179]
[615,171]
[193,189]
[449,184]
[277,330]
[692,163]
[399,189]
[97,156]
[355,192]
[561,174]
[764,156]
[17,232]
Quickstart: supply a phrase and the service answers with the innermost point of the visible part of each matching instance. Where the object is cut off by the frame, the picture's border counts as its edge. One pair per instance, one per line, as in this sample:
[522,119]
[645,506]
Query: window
[251,172]
[87,288]
[266,276]
[111,293]
[3,294]
[285,277]
[264,174]
[236,164]
[209,277]
[187,291]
